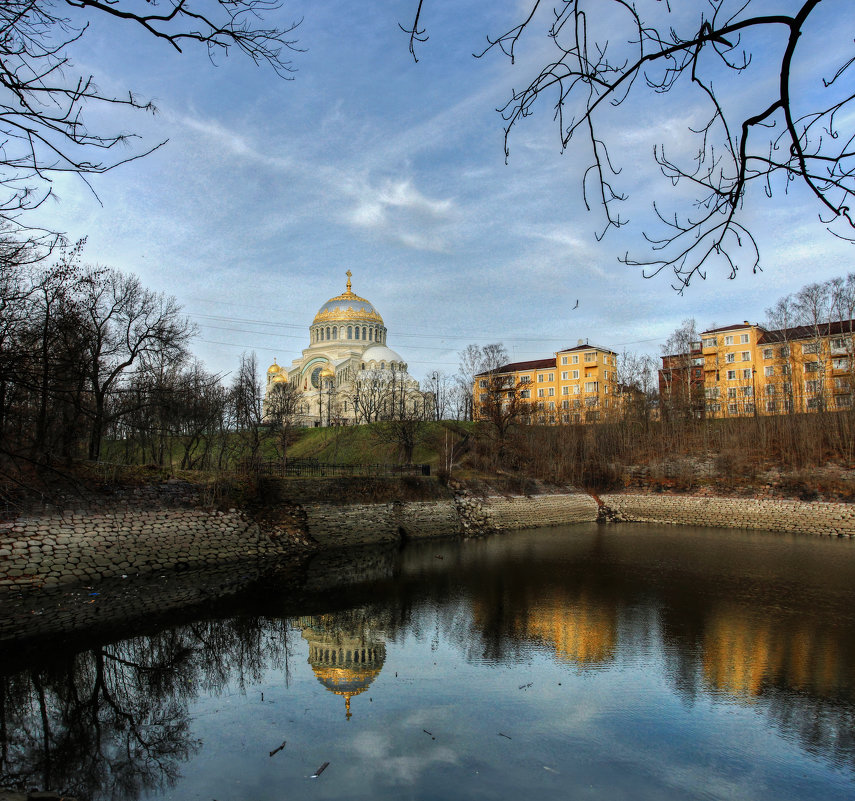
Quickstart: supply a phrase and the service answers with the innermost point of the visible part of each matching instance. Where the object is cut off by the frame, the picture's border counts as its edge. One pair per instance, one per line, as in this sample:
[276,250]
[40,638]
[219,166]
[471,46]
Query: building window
[551,406]
[565,390]
[731,392]
[769,371]
[814,403]
[730,358]
[483,383]
[811,367]
[810,347]
[844,401]
[743,338]
[711,392]
[746,373]
[525,379]
[563,360]
[784,352]
[565,404]
[713,408]
[551,377]
[813,386]
[575,359]
[771,406]
[728,340]
[564,375]
[590,357]
[350,332]
[748,391]
[540,378]
[785,369]
[771,389]
[732,408]
[840,364]
[525,394]
[767,353]
[731,375]
[551,391]
[710,343]
[746,356]
[575,389]
[592,386]
[540,393]
[575,374]
[749,408]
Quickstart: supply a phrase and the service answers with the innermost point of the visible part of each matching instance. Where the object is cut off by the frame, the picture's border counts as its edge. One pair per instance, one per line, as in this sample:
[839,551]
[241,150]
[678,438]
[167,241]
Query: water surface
[635,662]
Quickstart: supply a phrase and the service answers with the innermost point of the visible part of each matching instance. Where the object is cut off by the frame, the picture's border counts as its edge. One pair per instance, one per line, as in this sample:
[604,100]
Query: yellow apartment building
[577,385]
[749,370]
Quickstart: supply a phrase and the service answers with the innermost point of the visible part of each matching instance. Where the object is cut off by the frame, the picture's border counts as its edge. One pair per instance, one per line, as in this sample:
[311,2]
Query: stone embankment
[803,517]
[169,528]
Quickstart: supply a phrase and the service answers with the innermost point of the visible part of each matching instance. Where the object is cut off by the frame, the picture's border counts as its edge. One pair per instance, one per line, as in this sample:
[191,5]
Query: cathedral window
[328,332]
[322,335]
[364,332]
[335,333]
[350,332]
[370,334]
[357,332]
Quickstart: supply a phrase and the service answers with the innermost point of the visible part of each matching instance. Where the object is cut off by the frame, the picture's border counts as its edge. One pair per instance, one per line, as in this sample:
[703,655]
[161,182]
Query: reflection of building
[582,633]
[345,656]
[348,374]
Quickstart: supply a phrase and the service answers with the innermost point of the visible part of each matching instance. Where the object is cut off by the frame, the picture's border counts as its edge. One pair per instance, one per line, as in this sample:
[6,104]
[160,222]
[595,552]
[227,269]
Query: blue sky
[269,190]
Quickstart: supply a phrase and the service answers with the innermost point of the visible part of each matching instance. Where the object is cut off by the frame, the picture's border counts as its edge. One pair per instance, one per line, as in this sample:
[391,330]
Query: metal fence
[312,467]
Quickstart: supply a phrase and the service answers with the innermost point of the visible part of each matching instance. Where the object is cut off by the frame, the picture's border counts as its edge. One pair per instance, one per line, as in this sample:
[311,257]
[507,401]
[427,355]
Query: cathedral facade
[347,375]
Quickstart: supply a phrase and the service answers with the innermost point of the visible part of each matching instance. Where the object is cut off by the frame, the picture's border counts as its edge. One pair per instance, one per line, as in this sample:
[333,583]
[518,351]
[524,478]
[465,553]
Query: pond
[586,662]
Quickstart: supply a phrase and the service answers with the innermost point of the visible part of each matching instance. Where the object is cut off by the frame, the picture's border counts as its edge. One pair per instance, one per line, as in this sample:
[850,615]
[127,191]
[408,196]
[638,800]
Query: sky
[268,190]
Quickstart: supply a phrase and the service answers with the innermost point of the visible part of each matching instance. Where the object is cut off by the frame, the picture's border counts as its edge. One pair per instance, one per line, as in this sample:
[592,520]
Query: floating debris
[277,750]
[320,770]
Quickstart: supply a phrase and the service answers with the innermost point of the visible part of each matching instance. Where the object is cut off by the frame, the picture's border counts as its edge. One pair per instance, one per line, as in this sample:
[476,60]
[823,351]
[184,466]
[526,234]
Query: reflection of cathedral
[347,374]
[345,656]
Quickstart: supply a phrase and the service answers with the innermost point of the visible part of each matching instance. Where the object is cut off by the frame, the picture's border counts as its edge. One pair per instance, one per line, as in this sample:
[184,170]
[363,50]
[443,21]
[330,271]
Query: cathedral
[347,375]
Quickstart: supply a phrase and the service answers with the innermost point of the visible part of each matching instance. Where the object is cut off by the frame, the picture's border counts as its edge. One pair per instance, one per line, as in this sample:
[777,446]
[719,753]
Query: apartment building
[749,370]
[681,381]
[577,385]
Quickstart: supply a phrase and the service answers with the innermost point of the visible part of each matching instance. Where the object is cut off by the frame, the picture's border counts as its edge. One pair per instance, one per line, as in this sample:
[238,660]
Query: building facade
[750,370]
[347,374]
[576,385]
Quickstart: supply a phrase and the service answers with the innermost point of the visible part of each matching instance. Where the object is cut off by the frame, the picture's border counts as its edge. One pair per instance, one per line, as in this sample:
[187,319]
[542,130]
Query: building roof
[734,327]
[515,367]
[586,346]
[808,331]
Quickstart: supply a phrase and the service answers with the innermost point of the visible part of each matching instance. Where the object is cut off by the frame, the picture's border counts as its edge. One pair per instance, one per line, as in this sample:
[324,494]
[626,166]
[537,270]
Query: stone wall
[506,513]
[85,545]
[828,519]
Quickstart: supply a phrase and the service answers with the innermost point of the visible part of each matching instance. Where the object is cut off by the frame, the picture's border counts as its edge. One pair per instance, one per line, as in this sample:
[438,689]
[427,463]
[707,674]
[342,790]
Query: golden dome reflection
[343,654]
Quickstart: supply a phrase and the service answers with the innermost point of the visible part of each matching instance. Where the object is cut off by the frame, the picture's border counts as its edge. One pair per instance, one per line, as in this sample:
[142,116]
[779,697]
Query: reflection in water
[344,653]
[712,614]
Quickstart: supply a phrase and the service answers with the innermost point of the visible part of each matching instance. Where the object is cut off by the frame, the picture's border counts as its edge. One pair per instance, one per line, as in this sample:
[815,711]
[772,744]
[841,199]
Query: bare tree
[44,101]
[124,326]
[282,405]
[247,400]
[681,377]
[797,125]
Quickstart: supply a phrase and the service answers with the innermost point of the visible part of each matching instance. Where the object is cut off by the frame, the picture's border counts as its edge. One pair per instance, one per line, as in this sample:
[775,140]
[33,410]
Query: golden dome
[347,307]
[327,373]
[280,378]
[274,368]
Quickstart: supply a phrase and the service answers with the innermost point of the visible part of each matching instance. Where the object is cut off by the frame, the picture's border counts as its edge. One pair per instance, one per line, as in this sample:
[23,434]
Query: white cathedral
[348,375]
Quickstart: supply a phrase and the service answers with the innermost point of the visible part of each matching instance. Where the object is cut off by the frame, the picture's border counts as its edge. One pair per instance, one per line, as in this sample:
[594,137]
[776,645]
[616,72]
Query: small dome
[274,368]
[380,353]
[347,307]
[280,378]
[327,372]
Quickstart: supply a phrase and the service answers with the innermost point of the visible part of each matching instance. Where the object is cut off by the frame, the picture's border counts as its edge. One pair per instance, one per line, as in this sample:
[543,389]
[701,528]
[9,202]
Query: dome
[280,378]
[274,368]
[379,354]
[347,307]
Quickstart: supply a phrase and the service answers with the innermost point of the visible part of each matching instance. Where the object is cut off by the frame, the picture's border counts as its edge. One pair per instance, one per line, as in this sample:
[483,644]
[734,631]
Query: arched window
[335,333]
[328,332]
[350,332]
[370,334]
[364,332]
[363,365]
[382,365]
[357,332]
